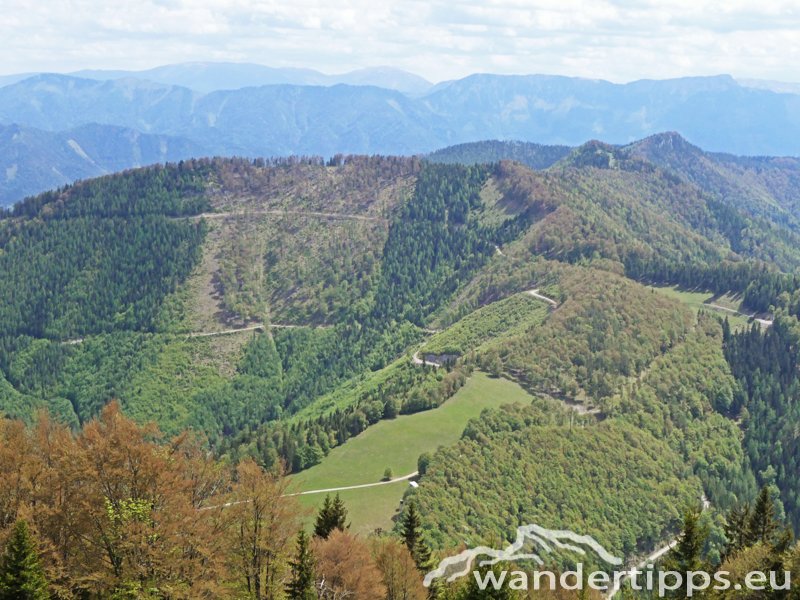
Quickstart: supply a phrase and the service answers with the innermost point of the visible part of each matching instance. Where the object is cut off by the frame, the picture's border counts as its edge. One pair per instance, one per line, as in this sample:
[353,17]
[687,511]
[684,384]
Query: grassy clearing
[397,444]
[701,300]
[369,509]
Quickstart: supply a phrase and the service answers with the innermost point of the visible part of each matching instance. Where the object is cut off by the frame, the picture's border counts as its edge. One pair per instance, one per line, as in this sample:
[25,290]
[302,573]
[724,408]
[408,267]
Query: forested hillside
[279,308]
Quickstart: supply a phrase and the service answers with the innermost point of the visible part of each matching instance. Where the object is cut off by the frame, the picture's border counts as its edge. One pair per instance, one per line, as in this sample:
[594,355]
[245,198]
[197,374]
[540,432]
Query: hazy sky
[618,40]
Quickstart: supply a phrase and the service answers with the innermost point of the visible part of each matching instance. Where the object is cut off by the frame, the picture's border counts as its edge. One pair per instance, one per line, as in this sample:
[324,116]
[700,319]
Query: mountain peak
[663,146]
[593,153]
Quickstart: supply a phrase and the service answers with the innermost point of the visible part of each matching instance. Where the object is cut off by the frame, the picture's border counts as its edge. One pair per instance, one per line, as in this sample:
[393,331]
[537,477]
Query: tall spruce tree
[737,528]
[21,574]
[332,515]
[412,535]
[763,525]
[339,514]
[301,584]
[322,525]
[687,555]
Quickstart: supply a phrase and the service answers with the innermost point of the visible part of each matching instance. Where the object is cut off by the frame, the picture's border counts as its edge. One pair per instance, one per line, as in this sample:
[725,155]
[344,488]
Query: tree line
[117,511]
[765,363]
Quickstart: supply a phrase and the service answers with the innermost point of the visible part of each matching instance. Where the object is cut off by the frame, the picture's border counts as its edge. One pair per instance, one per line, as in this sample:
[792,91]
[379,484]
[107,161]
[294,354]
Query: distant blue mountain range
[56,128]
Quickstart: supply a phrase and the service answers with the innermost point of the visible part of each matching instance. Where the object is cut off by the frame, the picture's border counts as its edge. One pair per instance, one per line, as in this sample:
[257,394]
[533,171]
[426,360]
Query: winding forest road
[762,322]
[357,487]
[202,334]
[659,553]
[421,361]
[256,327]
[535,293]
[300,213]
[325,491]
[415,358]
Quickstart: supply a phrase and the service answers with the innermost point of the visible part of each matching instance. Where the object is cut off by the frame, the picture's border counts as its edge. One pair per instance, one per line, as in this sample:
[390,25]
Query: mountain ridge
[715,113]
[206,77]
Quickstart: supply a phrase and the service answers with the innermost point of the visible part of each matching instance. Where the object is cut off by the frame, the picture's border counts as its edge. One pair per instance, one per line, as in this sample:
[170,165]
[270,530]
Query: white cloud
[613,39]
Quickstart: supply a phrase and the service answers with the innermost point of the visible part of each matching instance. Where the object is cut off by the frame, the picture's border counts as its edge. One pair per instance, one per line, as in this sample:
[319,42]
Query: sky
[617,40]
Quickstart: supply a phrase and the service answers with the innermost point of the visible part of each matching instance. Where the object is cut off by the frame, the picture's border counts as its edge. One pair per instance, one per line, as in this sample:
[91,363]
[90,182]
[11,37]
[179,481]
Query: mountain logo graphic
[545,540]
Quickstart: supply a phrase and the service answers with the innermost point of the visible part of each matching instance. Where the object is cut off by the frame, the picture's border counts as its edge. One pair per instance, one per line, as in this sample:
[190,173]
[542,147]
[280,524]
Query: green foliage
[491,324]
[16,405]
[423,462]
[435,242]
[687,554]
[71,277]
[301,583]
[737,528]
[332,516]
[21,574]
[319,269]
[398,443]
[261,359]
[608,329]
[304,439]
[107,261]
[411,531]
[315,361]
[173,189]
[610,481]
[682,399]
[765,363]
[101,255]
[763,525]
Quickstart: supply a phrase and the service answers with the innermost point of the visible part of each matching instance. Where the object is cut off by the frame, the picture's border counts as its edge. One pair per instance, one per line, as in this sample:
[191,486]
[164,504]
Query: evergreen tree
[763,524]
[332,515]
[412,535]
[411,528]
[737,527]
[21,574]
[301,584]
[339,514]
[688,553]
[322,525]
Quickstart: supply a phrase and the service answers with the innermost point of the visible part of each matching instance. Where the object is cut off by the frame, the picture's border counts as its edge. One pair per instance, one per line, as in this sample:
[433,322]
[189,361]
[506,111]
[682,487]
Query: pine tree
[332,515]
[339,514]
[726,331]
[412,535]
[763,524]
[412,528]
[322,525]
[688,553]
[301,584]
[737,527]
[21,574]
